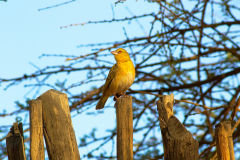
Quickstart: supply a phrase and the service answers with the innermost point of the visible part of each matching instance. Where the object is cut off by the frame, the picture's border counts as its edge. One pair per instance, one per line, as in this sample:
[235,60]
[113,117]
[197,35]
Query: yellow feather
[120,77]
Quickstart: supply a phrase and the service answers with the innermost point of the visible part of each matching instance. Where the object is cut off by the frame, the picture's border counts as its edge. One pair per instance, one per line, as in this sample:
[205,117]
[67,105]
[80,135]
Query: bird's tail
[101,102]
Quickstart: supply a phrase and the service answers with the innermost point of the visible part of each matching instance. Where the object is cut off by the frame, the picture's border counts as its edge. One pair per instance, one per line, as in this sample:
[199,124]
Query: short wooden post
[36,131]
[15,145]
[57,126]
[224,141]
[124,128]
[177,140]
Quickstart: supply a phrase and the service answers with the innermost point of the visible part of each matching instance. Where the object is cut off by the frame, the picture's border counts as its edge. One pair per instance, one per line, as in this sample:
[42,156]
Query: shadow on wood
[15,145]
[178,142]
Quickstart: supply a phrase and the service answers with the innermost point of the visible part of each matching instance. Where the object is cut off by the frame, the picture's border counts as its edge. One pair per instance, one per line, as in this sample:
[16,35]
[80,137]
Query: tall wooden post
[124,128]
[36,130]
[57,126]
[224,141]
[178,142]
[15,145]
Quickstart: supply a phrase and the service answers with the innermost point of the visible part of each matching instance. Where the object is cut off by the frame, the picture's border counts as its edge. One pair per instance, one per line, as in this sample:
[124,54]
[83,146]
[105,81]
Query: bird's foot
[116,96]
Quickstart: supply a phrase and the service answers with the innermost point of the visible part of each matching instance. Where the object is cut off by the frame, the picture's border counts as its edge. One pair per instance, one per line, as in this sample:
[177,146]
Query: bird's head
[121,55]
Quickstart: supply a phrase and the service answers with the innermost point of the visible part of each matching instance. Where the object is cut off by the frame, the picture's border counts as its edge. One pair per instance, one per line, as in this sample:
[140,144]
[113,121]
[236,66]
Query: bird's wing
[110,77]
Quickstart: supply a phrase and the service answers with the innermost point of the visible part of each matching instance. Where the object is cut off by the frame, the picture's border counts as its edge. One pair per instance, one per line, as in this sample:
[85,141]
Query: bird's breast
[125,76]
[127,70]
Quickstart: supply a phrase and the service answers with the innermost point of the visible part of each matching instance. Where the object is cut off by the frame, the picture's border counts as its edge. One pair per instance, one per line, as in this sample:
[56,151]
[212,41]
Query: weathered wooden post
[124,128]
[178,142]
[36,130]
[224,141]
[57,127]
[15,145]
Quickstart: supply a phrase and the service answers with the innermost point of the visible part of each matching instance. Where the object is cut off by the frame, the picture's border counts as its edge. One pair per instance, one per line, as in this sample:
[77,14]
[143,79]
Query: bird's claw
[116,96]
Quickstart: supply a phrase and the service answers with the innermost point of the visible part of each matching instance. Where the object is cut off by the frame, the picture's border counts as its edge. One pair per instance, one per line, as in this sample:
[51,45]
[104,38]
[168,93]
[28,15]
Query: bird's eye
[119,51]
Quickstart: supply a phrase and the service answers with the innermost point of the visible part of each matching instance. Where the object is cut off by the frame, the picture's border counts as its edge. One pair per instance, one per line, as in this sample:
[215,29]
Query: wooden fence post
[178,142]
[15,145]
[36,130]
[224,141]
[57,127]
[124,128]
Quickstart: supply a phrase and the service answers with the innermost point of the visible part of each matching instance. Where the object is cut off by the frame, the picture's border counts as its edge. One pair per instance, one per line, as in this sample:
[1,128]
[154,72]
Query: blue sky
[26,33]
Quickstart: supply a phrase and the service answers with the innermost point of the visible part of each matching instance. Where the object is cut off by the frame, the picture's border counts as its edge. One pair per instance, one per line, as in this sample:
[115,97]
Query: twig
[236,125]
[56,5]
[196,104]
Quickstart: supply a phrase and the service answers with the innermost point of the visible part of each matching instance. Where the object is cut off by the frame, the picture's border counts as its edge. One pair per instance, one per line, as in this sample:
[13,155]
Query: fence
[50,117]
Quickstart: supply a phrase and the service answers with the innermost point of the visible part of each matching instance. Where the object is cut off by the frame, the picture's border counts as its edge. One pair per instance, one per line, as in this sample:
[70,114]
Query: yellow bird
[120,77]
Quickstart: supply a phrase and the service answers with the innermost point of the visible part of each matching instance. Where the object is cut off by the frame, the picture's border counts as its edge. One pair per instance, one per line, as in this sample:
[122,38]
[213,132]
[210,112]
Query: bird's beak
[114,52]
